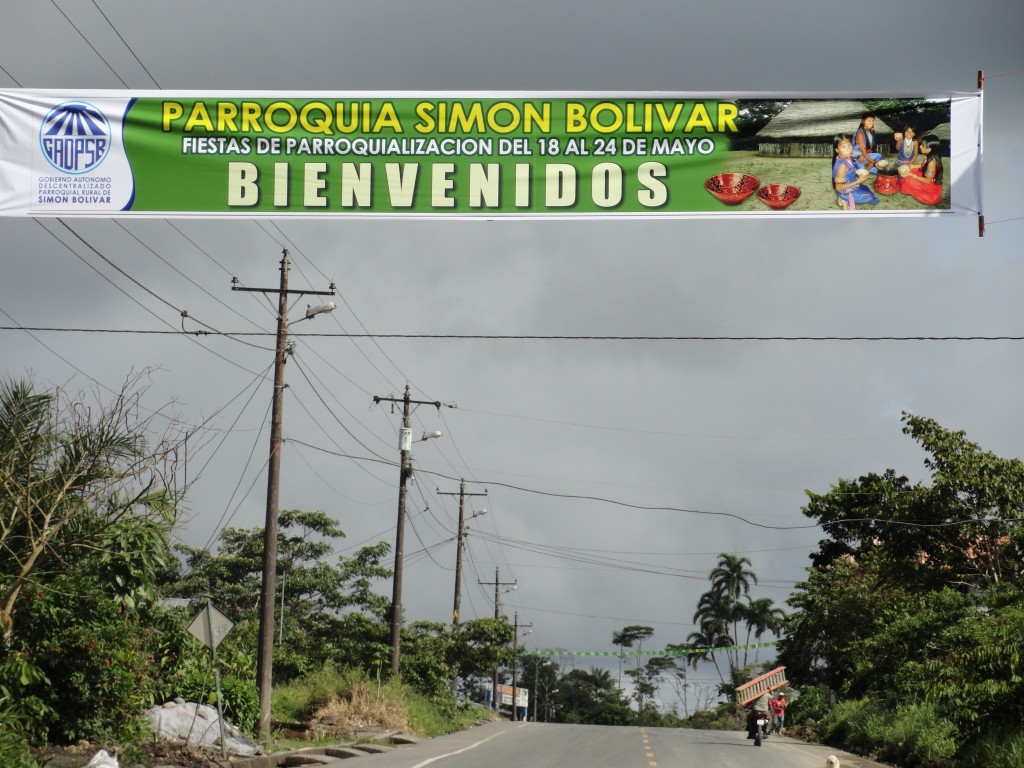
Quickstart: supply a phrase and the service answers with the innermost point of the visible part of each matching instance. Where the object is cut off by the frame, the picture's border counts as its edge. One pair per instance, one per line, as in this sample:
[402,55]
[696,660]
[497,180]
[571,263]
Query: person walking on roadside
[778,709]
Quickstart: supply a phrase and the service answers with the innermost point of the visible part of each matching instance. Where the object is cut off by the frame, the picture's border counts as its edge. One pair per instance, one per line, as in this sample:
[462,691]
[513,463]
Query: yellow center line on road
[648,751]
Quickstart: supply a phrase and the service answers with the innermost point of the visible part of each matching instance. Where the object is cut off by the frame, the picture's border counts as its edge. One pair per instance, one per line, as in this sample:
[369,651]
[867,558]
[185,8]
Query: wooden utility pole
[459,539]
[265,652]
[405,446]
[515,647]
[497,615]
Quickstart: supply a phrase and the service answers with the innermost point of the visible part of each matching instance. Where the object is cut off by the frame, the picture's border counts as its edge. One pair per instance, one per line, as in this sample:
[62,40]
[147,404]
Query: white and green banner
[489,155]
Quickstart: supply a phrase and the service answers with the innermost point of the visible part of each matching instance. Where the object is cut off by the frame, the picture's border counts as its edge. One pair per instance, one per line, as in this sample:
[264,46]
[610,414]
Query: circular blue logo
[75,137]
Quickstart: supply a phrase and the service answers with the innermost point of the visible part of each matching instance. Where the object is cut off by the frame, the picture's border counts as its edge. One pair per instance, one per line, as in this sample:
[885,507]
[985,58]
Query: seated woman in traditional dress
[906,146]
[865,153]
[848,184]
[924,182]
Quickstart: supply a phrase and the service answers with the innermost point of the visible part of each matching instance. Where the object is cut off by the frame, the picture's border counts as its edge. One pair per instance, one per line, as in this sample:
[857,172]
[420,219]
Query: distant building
[806,128]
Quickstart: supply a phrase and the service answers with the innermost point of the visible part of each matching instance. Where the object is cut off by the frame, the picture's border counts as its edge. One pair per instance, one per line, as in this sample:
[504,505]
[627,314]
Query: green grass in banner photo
[412,156]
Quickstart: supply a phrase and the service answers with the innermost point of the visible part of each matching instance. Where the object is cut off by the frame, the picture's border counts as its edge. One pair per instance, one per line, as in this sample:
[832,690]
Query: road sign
[210,626]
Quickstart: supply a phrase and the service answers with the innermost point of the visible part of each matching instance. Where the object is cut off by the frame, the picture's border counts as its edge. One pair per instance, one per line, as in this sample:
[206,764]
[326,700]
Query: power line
[82,35]
[125,43]
[661,508]
[10,76]
[510,337]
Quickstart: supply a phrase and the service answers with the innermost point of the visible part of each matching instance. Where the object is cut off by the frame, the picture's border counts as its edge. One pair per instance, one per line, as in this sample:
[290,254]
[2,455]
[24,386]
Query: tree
[962,530]
[330,610]
[69,474]
[646,682]
[915,595]
[720,610]
[591,697]
[700,642]
[540,675]
[628,637]
[760,615]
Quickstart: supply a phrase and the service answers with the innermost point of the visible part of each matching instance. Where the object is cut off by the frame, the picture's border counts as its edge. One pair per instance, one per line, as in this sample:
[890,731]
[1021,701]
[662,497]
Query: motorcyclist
[759,707]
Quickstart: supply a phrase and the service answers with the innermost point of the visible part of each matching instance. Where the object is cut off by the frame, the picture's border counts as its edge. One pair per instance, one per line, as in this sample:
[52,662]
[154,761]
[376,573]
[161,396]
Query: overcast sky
[736,428]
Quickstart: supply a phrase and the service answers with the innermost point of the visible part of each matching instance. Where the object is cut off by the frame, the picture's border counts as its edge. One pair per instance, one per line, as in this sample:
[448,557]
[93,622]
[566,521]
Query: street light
[318,309]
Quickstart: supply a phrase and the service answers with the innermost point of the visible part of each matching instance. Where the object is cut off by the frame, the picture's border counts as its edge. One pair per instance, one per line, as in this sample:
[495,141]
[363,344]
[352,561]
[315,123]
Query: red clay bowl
[778,196]
[731,188]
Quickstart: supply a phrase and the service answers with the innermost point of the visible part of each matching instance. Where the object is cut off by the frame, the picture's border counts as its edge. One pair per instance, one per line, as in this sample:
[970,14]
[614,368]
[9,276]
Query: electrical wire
[121,38]
[11,76]
[82,35]
[453,336]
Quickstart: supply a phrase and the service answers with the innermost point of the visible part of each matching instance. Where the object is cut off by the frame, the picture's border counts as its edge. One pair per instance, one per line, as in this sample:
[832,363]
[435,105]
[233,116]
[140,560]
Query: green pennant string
[664,652]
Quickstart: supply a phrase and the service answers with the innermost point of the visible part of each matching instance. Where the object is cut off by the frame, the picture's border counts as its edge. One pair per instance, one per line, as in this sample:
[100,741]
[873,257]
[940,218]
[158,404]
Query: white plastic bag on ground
[198,724]
[102,759]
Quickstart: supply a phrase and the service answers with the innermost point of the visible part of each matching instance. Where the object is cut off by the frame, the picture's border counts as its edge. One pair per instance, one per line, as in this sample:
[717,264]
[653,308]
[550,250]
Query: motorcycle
[761,722]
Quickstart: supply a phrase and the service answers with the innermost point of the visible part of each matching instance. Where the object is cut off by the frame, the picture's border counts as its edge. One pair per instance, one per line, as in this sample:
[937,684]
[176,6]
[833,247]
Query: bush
[1002,749]
[14,748]
[813,703]
[912,735]
[98,665]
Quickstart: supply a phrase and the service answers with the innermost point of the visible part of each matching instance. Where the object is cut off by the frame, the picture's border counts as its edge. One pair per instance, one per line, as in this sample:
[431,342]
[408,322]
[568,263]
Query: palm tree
[760,616]
[635,634]
[699,641]
[731,579]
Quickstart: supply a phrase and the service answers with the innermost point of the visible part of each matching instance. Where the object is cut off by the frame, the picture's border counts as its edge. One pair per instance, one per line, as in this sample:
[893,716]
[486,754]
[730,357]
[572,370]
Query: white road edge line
[464,749]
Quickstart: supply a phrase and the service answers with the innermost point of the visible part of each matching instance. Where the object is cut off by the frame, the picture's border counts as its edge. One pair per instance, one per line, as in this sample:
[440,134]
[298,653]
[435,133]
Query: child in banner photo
[924,182]
[864,150]
[906,146]
[847,178]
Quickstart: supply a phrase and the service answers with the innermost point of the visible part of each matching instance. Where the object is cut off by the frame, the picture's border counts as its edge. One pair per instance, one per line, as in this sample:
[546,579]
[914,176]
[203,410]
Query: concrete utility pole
[460,537]
[265,653]
[405,446]
[497,615]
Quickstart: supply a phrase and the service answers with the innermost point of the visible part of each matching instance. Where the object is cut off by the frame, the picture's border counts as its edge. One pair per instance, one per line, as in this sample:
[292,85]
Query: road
[543,745]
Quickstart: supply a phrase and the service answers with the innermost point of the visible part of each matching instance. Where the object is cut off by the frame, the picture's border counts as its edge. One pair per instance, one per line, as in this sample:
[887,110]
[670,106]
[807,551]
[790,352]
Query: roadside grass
[813,176]
[357,703]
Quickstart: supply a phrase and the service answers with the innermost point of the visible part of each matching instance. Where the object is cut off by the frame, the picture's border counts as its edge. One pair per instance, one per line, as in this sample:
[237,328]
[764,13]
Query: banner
[488,155]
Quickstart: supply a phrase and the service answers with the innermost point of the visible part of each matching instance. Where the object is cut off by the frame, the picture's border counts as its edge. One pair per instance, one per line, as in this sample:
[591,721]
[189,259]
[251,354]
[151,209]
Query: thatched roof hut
[806,127]
[942,133]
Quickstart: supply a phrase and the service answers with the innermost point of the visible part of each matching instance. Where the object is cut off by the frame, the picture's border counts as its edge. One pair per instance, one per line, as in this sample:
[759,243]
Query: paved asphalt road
[542,745]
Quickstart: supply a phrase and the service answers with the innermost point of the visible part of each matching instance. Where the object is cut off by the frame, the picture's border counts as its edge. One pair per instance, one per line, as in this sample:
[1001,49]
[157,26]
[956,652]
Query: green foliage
[99,661]
[71,474]
[912,735]
[331,614]
[591,698]
[979,674]
[724,608]
[813,703]
[724,717]
[239,696]
[480,645]
[426,648]
[916,596]
[299,699]
[999,749]
[14,746]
